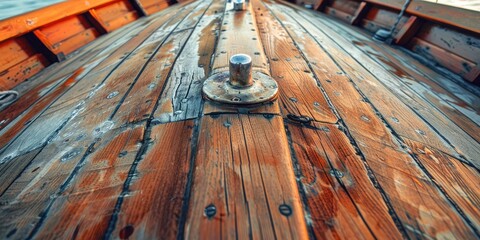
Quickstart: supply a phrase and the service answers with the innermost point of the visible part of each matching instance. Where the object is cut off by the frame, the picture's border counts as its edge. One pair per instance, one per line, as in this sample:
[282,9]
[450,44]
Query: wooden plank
[22,71]
[453,62]
[342,201]
[84,208]
[458,111]
[65,28]
[408,31]
[457,17]
[243,183]
[67,152]
[182,95]
[467,93]
[9,171]
[338,14]
[24,23]
[465,115]
[299,93]
[75,42]
[405,111]
[453,40]
[41,85]
[14,51]
[19,124]
[69,104]
[238,29]
[154,204]
[410,194]
[456,179]
[156,7]
[359,13]
[114,10]
[121,21]
[444,122]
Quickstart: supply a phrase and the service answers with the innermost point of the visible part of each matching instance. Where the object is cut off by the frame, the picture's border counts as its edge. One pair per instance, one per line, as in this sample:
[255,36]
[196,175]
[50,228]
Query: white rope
[7,97]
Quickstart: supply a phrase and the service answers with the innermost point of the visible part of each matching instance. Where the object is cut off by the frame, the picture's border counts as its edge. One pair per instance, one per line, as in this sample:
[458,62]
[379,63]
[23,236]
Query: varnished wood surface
[118,143]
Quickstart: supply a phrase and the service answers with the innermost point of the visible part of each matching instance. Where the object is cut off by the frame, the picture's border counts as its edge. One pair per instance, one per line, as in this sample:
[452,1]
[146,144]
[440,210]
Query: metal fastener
[241,70]
[238,5]
[240,85]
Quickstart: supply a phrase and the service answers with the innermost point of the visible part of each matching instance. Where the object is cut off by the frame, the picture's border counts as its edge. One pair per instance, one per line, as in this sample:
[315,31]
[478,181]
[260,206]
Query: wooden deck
[363,141]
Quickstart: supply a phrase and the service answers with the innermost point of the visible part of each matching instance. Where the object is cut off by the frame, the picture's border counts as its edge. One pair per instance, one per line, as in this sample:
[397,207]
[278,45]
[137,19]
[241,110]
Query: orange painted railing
[445,35]
[32,41]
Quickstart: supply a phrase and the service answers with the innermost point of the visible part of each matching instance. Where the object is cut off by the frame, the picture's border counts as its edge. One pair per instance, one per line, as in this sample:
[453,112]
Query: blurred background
[10,8]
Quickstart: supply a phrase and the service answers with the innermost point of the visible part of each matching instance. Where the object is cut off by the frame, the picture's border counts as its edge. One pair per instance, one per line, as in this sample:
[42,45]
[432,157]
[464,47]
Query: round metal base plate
[217,88]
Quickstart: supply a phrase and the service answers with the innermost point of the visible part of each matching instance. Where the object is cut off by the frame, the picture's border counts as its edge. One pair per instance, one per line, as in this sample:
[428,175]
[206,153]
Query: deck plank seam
[442,137]
[445,139]
[89,150]
[417,94]
[404,145]
[345,130]
[78,108]
[194,143]
[142,150]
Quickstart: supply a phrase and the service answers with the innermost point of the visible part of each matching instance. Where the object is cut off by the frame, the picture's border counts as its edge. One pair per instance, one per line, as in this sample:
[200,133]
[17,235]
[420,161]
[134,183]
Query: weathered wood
[409,192]
[24,23]
[408,30]
[83,208]
[455,63]
[457,17]
[299,93]
[342,201]
[14,51]
[78,138]
[182,93]
[456,179]
[440,121]
[70,103]
[15,75]
[405,112]
[153,206]
[243,183]
[458,111]
[359,13]
[43,86]
[239,34]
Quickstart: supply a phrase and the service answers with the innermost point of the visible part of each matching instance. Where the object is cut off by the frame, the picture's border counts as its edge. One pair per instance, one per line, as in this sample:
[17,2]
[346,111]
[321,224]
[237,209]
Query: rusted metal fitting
[240,85]
[238,5]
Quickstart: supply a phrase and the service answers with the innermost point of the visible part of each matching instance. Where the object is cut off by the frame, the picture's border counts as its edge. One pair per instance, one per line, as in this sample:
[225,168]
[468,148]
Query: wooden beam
[359,13]
[457,17]
[408,30]
[22,24]
[137,5]
[320,5]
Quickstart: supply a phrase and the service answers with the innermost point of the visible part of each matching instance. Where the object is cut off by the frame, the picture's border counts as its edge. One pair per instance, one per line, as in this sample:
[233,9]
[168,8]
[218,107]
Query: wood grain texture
[299,93]
[406,111]
[51,85]
[15,75]
[75,140]
[243,180]
[411,194]
[239,34]
[153,206]
[83,208]
[439,121]
[70,103]
[342,201]
[182,93]
[24,23]
[458,180]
